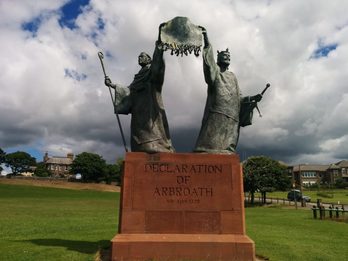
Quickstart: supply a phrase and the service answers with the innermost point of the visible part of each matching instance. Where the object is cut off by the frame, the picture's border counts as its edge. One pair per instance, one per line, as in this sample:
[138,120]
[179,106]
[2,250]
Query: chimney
[70,156]
[45,158]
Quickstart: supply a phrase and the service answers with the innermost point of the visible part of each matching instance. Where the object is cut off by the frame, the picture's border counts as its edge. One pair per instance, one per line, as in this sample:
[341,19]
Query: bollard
[303,203]
[314,212]
[318,202]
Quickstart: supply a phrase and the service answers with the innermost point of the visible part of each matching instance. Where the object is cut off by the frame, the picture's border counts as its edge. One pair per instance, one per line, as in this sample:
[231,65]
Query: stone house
[59,166]
[343,165]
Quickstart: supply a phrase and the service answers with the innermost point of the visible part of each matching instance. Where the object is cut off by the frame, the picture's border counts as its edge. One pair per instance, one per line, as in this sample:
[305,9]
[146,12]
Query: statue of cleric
[143,99]
[225,109]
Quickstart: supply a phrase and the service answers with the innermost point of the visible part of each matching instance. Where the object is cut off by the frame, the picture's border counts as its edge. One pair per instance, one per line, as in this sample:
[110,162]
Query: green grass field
[55,224]
[289,234]
[39,223]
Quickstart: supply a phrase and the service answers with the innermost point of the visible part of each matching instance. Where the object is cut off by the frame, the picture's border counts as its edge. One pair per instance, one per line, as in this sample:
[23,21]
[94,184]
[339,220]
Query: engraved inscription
[171,168]
[172,185]
[182,190]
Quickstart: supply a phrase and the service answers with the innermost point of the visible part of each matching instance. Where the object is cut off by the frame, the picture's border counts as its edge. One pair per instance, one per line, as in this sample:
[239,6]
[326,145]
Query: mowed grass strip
[289,234]
[336,195]
[38,223]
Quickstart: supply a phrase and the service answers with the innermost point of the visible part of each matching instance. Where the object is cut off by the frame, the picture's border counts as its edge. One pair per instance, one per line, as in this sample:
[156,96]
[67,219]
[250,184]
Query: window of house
[309,174]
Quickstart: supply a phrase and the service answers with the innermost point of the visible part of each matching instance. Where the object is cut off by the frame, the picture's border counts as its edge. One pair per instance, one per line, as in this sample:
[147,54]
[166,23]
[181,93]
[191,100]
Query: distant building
[343,165]
[59,166]
[310,174]
[29,172]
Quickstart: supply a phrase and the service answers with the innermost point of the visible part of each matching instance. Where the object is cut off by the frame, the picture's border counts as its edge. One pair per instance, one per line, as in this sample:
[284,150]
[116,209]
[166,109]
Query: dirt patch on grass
[61,184]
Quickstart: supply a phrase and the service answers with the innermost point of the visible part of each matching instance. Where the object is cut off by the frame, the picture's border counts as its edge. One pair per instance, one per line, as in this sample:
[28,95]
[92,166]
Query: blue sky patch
[74,75]
[33,25]
[323,50]
[70,11]
[33,151]
[101,24]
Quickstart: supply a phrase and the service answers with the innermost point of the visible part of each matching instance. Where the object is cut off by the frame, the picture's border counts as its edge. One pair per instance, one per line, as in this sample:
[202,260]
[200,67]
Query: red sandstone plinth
[182,207]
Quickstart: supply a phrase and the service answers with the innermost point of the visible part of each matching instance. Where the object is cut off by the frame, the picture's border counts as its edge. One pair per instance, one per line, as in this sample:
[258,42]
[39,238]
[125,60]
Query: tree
[91,166]
[19,161]
[41,170]
[113,172]
[2,158]
[264,174]
[341,183]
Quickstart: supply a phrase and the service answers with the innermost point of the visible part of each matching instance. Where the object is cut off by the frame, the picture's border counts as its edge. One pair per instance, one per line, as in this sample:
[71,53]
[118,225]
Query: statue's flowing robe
[143,99]
[220,125]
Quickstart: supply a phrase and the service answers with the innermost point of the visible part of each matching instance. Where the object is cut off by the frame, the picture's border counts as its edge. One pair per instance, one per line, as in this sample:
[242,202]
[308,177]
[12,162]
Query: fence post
[343,211]
[337,213]
[314,212]
[322,212]
[330,212]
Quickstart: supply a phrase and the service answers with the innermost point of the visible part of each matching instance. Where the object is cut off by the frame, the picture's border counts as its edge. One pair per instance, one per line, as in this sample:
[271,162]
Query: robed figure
[143,99]
[222,117]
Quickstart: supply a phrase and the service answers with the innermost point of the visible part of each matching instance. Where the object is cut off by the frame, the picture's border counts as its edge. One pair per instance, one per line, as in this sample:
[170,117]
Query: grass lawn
[288,234]
[38,223]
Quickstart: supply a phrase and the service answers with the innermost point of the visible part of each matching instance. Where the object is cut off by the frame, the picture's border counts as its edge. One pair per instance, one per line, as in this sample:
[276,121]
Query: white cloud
[304,112]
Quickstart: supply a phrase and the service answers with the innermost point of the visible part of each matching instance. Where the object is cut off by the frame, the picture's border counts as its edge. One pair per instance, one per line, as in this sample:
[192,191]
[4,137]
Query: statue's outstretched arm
[157,64]
[205,36]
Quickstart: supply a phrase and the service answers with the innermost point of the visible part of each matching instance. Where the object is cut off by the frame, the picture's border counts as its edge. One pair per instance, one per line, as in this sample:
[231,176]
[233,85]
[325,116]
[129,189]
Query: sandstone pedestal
[182,207]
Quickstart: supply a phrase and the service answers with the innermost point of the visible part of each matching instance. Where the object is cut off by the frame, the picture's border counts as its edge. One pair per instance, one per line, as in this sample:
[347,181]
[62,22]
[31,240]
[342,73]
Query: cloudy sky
[53,99]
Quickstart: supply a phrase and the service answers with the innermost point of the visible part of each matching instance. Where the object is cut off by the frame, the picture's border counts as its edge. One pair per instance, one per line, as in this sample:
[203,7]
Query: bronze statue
[225,110]
[143,99]
[223,116]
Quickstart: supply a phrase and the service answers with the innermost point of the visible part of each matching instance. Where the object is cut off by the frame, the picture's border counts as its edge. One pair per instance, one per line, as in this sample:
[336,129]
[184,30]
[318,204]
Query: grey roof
[311,167]
[342,164]
[60,160]
[334,166]
[283,163]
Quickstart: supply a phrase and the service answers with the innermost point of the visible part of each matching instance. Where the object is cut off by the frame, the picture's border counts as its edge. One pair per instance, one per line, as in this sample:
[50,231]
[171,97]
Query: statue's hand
[161,25]
[107,81]
[204,31]
[257,97]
